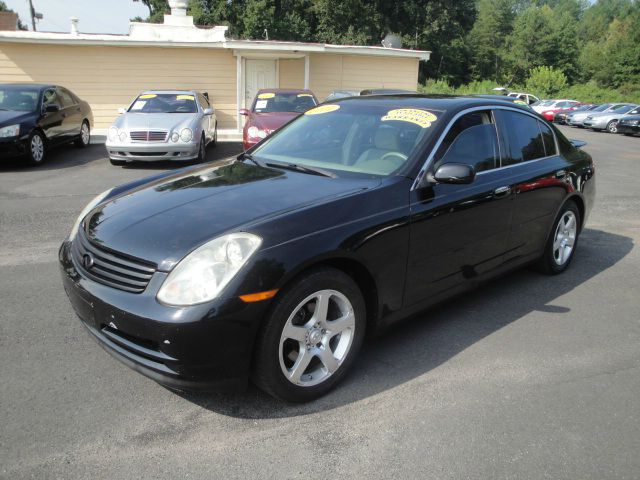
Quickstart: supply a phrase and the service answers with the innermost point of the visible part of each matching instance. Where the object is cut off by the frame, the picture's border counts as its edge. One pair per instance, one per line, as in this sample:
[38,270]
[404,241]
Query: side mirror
[243,111]
[121,111]
[208,111]
[457,173]
[52,108]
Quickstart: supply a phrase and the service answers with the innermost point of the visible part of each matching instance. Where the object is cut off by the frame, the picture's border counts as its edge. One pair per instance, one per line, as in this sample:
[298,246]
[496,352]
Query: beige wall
[111,77]
[291,73]
[351,72]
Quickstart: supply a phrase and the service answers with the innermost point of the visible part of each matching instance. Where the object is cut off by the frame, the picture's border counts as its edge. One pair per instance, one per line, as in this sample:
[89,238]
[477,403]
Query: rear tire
[311,337]
[562,242]
[85,136]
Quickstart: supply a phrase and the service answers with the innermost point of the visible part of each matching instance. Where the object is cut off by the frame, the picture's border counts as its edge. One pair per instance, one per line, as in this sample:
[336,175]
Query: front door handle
[501,192]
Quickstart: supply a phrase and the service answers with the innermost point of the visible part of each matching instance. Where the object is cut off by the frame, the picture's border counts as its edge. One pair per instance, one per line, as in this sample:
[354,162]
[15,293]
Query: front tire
[612,126]
[37,148]
[562,242]
[202,150]
[311,337]
[85,136]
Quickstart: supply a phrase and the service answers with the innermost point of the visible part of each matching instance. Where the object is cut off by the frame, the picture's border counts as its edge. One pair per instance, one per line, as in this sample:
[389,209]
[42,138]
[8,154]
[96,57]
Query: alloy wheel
[316,338]
[37,148]
[612,127]
[84,134]
[565,238]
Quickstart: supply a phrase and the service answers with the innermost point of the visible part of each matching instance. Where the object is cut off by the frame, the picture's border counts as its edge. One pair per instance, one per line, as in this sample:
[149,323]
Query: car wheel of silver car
[214,142]
[612,126]
[85,135]
[311,337]
[563,240]
[37,148]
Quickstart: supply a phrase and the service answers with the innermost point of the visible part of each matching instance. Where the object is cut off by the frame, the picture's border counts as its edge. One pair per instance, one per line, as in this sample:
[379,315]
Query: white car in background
[526,97]
[163,125]
[561,104]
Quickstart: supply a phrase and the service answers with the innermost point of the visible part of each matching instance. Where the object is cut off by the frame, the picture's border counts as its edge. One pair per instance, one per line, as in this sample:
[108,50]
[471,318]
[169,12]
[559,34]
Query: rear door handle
[502,191]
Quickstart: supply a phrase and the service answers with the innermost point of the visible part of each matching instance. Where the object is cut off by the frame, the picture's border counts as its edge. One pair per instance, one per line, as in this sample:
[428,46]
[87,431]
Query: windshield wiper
[303,169]
[248,156]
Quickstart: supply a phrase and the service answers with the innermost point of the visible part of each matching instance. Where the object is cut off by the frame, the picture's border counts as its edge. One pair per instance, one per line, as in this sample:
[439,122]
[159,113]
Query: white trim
[239,90]
[256,46]
[306,72]
[277,73]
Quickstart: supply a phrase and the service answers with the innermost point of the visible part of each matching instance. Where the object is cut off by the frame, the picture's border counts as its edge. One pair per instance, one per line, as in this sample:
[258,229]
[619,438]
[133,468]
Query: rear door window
[65,98]
[523,137]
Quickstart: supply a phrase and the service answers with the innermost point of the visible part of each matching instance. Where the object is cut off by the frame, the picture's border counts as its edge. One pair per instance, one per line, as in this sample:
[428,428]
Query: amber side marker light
[257,297]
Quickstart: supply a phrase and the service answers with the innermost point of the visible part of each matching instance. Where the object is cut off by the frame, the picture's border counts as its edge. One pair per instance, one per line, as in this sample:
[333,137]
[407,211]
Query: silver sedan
[163,125]
[609,120]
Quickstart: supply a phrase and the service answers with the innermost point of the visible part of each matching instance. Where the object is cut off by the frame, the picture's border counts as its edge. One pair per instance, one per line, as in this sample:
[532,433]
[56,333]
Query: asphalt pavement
[530,377]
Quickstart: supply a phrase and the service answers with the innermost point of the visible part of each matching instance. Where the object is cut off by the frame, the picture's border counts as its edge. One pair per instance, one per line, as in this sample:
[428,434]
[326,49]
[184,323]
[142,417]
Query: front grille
[111,268]
[149,135]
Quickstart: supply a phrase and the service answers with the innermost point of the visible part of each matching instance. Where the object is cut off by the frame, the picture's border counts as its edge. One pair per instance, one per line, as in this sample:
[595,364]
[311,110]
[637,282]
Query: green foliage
[592,93]
[546,81]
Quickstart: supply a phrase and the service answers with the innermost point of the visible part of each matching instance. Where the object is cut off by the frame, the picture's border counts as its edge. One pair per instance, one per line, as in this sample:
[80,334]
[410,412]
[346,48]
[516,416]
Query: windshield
[18,99]
[602,107]
[271,102]
[363,138]
[164,103]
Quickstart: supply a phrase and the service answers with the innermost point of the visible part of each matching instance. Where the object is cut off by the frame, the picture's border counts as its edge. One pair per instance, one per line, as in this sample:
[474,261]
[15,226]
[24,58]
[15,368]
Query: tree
[4,8]
[157,9]
[545,81]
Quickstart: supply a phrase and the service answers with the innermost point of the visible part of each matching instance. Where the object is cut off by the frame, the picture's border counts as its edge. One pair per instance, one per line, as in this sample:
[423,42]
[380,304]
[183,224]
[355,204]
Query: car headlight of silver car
[112,134]
[10,131]
[175,136]
[85,211]
[203,274]
[186,134]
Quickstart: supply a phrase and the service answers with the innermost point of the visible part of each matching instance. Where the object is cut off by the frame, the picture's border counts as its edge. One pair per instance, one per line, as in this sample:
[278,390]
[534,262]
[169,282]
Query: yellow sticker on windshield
[520,102]
[322,109]
[305,95]
[266,95]
[148,95]
[411,115]
[184,97]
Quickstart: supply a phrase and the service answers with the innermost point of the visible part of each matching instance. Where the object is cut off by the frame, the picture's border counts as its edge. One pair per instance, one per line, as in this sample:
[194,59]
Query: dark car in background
[358,213]
[629,125]
[271,109]
[35,117]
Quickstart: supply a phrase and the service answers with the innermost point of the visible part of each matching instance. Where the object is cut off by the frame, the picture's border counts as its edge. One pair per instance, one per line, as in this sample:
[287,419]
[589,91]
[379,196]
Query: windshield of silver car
[350,137]
[164,103]
[18,99]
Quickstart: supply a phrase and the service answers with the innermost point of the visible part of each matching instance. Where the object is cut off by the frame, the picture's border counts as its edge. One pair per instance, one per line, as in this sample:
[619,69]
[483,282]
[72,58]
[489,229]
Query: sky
[96,16]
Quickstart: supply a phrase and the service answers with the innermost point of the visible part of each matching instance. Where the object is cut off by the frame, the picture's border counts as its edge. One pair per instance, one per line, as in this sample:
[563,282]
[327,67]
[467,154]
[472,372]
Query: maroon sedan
[271,109]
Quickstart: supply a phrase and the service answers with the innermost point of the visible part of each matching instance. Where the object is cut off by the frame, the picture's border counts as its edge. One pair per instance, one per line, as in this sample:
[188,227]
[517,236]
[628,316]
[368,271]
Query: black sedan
[36,117]
[274,264]
[629,125]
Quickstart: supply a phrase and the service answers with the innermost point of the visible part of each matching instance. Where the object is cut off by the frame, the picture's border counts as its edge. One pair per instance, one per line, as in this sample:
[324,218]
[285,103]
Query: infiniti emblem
[87,261]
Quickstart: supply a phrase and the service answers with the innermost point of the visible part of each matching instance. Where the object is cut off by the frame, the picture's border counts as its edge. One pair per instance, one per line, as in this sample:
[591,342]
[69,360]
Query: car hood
[146,121]
[272,121]
[164,220]
[11,118]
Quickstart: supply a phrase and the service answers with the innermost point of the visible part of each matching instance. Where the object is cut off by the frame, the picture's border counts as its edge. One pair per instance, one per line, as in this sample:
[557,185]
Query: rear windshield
[164,103]
[14,99]
[270,102]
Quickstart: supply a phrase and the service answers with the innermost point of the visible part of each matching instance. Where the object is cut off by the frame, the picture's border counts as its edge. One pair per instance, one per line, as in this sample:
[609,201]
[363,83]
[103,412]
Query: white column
[239,92]
[306,71]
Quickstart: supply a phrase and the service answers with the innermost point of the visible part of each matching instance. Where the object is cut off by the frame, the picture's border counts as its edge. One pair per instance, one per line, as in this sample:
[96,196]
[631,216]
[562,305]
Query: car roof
[435,102]
[28,84]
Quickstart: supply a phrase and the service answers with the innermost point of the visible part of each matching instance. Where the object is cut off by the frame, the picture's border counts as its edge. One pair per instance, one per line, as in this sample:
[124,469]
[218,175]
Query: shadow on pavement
[431,338]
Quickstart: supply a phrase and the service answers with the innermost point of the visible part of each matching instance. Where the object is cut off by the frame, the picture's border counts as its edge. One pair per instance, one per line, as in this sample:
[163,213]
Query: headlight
[113,134]
[175,136]
[201,275]
[255,132]
[10,131]
[186,135]
[123,136]
[96,200]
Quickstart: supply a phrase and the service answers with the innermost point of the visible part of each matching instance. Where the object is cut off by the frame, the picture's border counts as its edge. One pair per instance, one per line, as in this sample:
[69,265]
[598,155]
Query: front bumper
[203,347]
[595,124]
[13,147]
[624,128]
[152,152]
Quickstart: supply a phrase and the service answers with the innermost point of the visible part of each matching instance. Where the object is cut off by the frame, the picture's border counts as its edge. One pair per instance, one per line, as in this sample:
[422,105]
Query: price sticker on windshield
[421,118]
[139,105]
[266,95]
[185,97]
[322,109]
[261,104]
[148,95]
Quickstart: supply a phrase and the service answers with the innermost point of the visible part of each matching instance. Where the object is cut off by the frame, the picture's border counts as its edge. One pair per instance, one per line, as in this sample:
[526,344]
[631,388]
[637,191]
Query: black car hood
[8,117]
[164,220]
